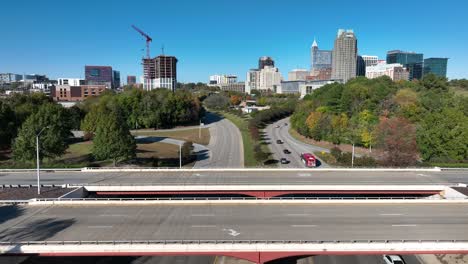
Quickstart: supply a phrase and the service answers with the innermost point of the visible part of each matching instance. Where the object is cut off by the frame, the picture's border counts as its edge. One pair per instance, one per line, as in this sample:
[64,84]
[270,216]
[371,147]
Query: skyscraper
[410,60]
[99,75]
[115,79]
[344,55]
[370,60]
[360,66]
[265,61]
[437,66]
[320,59]
[160,72]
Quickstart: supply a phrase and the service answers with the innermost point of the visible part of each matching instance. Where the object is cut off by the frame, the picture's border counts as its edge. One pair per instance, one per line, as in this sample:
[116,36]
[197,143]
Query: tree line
[106,119]
[409,121]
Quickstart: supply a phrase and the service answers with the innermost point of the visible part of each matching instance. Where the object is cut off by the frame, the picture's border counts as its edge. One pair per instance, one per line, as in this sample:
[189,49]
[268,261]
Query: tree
[235,99]
[113,139]
[435,83]
[444,136]
[397,138]
[217,101]
[8,127]
[339,126]
[53,140]
[187,152]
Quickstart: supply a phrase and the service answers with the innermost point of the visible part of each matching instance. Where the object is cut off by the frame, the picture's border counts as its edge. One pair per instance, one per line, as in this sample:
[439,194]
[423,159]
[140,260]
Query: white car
[393,259]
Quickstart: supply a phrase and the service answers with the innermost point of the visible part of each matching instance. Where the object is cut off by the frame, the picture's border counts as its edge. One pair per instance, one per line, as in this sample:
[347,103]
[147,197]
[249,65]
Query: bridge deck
[235,222]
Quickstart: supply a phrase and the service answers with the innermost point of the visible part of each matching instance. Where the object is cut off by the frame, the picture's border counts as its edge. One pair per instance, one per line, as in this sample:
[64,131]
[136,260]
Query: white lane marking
[423,175]
[304,174]
[202,226]
[298,214]
[303,225]
[232,232]
[202,214]
[18,227]
[112,215]
[404,225]
[390,214]
[99,226]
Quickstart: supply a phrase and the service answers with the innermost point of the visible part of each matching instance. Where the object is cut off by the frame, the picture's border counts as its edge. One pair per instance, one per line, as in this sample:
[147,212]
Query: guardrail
[187,242]
[242,199]
[153,169]
[7,186]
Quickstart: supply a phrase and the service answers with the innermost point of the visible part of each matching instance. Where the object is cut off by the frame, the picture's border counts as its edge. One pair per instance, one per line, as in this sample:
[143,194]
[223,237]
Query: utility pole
[352,158]
[38,161]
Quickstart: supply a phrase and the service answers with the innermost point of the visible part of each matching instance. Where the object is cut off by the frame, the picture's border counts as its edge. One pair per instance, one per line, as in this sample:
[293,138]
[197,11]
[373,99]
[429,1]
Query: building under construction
[160,72]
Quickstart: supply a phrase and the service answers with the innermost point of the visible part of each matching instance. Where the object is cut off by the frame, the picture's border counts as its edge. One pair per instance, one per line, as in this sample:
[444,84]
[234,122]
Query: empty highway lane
[235,222]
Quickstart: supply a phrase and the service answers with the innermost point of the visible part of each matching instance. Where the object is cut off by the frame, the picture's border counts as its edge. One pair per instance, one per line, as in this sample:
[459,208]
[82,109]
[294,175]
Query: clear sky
[58,38]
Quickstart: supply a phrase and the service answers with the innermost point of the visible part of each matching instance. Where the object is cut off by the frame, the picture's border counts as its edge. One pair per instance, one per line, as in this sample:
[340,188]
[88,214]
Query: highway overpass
[240,176]
[254,232]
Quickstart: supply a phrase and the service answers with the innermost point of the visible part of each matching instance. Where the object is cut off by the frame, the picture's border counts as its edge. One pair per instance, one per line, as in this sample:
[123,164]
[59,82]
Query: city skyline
[202,49]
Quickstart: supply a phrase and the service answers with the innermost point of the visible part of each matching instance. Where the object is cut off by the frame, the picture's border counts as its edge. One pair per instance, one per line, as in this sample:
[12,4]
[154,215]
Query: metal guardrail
[7,186]
[188,242]
[244,199]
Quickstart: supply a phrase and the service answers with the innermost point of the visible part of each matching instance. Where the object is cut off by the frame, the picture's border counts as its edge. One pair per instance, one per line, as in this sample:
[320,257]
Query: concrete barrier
[88,169]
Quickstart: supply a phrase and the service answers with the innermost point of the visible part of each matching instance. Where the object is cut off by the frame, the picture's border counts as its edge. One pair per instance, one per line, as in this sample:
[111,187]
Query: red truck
[309,160]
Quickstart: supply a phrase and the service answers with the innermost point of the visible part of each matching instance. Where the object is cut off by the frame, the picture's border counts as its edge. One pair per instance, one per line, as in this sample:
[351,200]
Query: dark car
[284,161]
[286,151]
[279,141]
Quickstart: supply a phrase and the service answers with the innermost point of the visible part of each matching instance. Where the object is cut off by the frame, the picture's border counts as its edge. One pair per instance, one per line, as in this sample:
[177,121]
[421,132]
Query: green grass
[242,124]
[186,135]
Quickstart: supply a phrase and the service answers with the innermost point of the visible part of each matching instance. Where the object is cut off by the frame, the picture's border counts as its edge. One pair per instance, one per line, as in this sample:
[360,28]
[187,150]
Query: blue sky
[58,38]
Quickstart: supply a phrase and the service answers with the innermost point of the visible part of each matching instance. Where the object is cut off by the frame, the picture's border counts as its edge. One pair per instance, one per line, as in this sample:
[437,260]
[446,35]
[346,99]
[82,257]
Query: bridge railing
[186,242]
[246,198]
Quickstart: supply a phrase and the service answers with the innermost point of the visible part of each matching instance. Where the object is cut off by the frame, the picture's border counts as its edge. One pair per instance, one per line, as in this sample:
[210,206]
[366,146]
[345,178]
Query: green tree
[187,152]
[444,136]
[8,126]
[53,140]
[113,139]
[217,101]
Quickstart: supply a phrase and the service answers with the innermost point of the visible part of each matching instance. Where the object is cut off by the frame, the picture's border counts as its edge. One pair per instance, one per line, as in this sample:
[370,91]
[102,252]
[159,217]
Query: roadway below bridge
[279,130]
[241,177]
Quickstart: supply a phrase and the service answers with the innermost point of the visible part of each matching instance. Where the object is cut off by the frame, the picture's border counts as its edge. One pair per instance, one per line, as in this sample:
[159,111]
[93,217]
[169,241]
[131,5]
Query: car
[284,161]
[279,141]
[286,151]
[393,259]
[285,124]
[278,126]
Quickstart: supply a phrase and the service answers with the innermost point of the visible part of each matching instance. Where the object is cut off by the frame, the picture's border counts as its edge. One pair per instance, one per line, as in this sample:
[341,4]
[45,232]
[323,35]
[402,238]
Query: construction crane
[148,40]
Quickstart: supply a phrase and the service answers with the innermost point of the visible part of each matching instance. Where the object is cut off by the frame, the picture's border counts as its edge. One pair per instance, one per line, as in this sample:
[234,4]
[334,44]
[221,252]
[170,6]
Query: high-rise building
[370,60]
[252,81]
[298,75]
[99,75]
[437,66]
[360,66]
[160,72]
[270,79]
[344,55]
[7,78]
[395,71]
[131,80]
[115,79]
[320,59]
[410,60]
[265,61]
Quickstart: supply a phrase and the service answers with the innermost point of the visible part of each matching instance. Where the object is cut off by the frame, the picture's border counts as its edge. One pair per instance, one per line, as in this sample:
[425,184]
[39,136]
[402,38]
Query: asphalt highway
[233,222]
[226,149]
[299,177]
[280,131]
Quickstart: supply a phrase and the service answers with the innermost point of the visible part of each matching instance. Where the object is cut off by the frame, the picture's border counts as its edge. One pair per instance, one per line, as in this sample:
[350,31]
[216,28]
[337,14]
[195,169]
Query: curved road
[280,131]
[225,148]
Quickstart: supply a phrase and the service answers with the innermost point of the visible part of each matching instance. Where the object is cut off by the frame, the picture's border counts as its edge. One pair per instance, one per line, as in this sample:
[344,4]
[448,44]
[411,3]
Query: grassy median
[192,135]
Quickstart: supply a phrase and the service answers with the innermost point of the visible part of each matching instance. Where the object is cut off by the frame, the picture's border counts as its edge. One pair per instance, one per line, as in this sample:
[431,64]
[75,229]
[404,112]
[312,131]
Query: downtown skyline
[204,48]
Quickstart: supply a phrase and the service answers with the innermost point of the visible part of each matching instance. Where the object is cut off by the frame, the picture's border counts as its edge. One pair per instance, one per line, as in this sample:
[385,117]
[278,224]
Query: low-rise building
[309,86]
[298,75]
[70,81]
[76,93]
[236,87]
[290,87]
[395,71]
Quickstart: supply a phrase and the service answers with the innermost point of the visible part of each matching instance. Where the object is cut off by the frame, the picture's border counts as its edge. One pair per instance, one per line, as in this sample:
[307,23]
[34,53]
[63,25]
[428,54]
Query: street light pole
[38,162]
[352,158]
[180,156]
